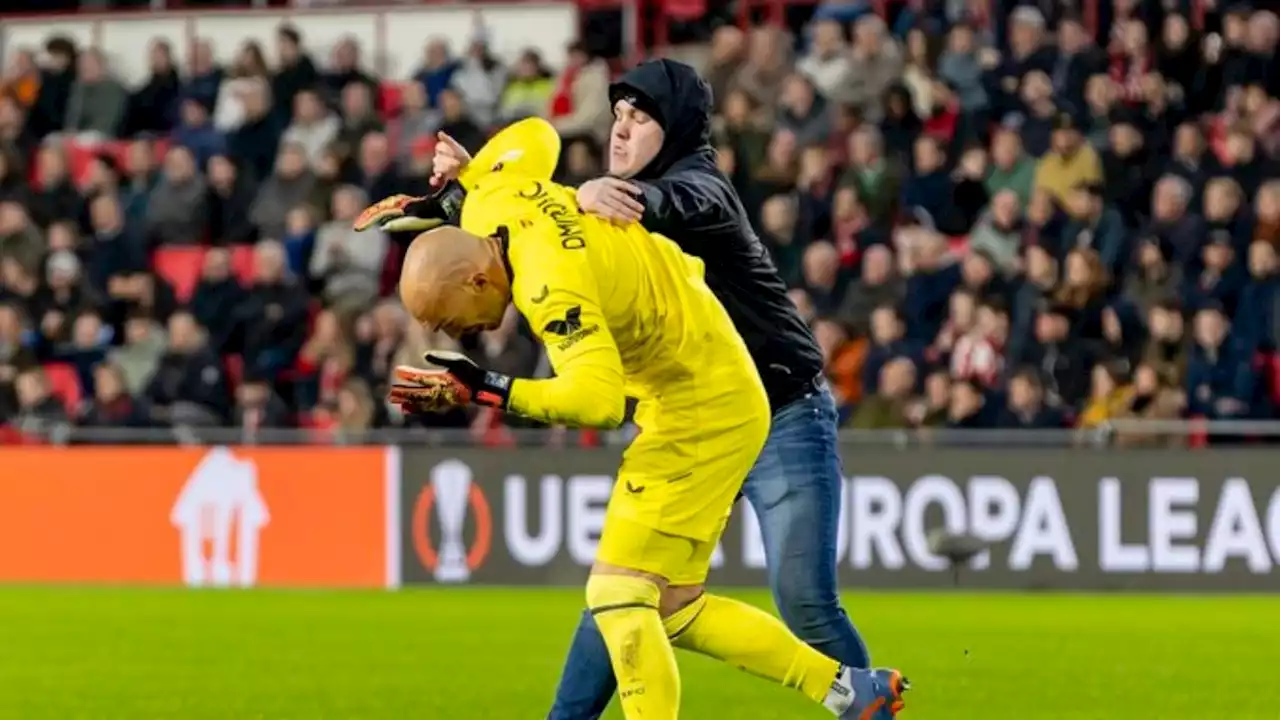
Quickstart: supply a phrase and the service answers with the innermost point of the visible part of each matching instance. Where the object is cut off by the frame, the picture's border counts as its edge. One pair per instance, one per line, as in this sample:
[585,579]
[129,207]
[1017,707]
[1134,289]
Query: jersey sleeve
[557,291]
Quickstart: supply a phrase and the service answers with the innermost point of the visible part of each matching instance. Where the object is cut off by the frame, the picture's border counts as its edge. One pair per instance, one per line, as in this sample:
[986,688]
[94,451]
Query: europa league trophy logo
[451,483]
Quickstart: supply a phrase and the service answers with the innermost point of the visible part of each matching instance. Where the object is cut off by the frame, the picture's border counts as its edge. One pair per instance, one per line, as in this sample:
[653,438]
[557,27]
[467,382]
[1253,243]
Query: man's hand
[449,160]
[458,383]
[611,199]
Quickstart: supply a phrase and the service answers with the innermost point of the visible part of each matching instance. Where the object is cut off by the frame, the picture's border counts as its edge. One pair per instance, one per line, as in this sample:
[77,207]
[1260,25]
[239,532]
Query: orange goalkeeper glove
[457,383]
[406,213]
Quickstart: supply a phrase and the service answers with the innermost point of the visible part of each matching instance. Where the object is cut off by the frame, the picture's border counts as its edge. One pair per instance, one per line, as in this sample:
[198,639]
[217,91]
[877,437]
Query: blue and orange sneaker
[877,694]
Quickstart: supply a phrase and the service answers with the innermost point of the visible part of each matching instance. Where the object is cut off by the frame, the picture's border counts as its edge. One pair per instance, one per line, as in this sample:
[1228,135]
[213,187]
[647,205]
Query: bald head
[454,281]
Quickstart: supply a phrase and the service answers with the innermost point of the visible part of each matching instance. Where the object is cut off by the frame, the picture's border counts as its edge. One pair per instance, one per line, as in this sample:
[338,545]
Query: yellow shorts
[680,476]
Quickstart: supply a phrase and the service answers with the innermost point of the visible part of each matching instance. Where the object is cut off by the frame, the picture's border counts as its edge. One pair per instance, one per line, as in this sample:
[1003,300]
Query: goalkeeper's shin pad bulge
[625,609]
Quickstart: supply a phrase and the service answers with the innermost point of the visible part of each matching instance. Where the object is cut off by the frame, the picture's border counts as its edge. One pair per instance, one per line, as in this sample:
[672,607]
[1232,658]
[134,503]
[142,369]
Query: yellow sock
[752,640]
[626,611]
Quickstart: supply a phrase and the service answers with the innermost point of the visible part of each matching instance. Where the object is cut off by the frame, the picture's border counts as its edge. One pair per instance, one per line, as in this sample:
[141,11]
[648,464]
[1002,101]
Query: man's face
[1210,328]
[1023,394]
[178,165]
[291,163]
[884,326]
[1262,259]
[1051,327]
[634,141]
[183,333]
[1065,141]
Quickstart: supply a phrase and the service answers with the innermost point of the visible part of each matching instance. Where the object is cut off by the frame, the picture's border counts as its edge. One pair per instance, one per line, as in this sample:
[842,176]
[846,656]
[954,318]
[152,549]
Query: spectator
[63,296]
[1220,279]
[248,73]
[359,116]
[257,136]
[930,411]
[296,72]
[144,175]
[22,78]
[879,285]
[1153,399]
[1010,167]
[178,209]
[98,102]
[457,123]
[40,414]
[778,230]
[231,195]
[204,79]
[479,81]
[377,172]
[1084,290]
[1079,59]
[344,71]
[1256,319]
[15,129]
[1036,117]
[300,238]
[889,340]
[962,317]
[728,49]
[887,408]
[289,187]
[998,232]
[1188,160]
[929,186]
[113,250]
[1097,225]
[188,387]
[15,356]
[437,70]
[1127,169]
[960,66]
[969,408]
[803,112]
[828,65]
[1110,396]
[112,405]
[1175,231]
[931,276]
[766,66]
[1026,408]
[258,407]
[878,179]
[823,281]
[1063,358]
[57,75]
[378,341]
[274,314]
[139,356]
[416,121]
[313,127]
[348,264]
[1155,279]
[979,354]
[356,413]
[1069,163]
[1220,378]
[217,296]
[325,361]
[527,91]
[576,108]
[197,133]
[153,108]
[1224,212]
[57,197]
[877,64]
[900,126]
[1028,53]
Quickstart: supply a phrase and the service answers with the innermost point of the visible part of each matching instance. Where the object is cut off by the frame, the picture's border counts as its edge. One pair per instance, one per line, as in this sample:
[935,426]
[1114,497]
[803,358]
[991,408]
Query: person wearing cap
[1070,161]
[621,312]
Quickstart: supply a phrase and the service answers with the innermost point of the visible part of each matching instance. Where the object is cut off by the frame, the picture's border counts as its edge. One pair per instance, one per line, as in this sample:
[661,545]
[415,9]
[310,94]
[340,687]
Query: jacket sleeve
[683,204]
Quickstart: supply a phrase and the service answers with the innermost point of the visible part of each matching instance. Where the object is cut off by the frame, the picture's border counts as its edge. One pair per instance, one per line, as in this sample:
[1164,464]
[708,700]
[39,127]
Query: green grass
[468,654]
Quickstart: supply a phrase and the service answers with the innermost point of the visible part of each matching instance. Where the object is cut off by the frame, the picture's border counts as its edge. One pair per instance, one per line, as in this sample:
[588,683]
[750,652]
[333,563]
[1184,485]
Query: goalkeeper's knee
[616,593]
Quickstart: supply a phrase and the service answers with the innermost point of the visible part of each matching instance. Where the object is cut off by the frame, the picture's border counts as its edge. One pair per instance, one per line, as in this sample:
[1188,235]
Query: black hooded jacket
[689,200]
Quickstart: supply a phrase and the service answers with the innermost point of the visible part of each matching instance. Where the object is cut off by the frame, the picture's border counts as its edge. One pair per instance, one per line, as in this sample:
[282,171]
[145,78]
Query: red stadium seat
[180,266]
[242,263]
[64,384]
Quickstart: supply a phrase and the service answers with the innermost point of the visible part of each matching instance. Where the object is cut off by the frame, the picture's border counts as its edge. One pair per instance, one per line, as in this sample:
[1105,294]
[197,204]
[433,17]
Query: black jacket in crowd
[689,200]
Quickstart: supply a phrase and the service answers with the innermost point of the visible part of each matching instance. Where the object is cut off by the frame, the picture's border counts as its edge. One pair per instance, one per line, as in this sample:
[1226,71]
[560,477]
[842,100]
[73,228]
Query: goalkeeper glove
[405,213]
[459,382]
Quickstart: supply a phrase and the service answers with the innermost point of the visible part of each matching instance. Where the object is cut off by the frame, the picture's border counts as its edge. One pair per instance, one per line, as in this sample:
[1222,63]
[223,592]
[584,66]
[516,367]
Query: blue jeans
[794,489]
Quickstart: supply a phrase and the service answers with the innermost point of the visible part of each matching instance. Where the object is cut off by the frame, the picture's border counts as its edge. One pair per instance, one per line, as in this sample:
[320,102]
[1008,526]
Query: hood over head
[678,99]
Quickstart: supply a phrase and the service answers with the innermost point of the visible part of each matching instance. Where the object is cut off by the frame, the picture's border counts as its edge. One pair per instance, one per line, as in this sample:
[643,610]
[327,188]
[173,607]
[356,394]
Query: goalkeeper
[618,308]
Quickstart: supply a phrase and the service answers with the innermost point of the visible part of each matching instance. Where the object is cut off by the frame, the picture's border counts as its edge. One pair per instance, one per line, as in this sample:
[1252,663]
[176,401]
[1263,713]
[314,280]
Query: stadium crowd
[1039,227]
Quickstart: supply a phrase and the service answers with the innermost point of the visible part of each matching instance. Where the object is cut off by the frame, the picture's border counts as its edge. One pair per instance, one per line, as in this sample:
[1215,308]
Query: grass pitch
[471,654]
